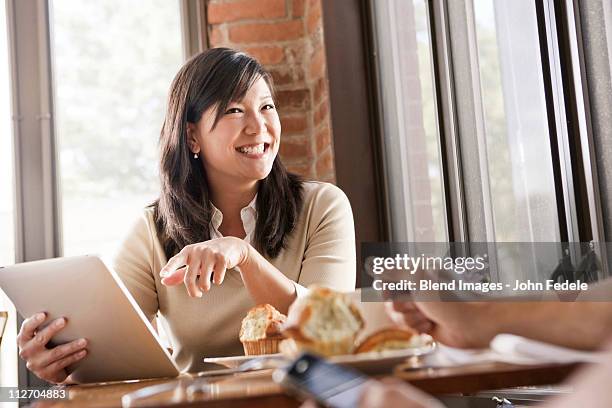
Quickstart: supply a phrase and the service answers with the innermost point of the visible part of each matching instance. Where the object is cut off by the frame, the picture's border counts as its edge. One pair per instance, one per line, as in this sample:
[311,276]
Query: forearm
[265,283]
[582,325]
[590,387]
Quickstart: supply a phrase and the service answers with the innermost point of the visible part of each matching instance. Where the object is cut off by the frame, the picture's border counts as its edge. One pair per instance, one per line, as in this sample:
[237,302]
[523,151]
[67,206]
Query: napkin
[508,348]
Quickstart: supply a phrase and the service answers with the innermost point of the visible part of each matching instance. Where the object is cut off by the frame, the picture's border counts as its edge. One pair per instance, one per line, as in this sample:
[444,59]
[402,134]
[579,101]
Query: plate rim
[358,358]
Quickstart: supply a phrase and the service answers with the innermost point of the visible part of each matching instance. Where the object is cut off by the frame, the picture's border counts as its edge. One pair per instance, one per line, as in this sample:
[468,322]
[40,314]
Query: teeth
[259,149]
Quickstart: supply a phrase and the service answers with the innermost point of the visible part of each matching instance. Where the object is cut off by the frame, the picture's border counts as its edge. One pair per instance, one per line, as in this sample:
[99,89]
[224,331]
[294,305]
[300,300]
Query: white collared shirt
[248,215]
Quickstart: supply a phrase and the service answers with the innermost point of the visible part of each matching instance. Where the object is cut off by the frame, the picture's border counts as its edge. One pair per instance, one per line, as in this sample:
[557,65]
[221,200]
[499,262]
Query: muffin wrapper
[263,346]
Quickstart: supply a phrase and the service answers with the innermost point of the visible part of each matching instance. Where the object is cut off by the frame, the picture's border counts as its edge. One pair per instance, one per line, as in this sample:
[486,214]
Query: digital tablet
[122,344]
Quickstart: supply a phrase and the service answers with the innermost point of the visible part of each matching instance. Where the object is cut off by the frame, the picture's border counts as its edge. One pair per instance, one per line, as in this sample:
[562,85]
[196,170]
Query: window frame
[38,221]
[578,193]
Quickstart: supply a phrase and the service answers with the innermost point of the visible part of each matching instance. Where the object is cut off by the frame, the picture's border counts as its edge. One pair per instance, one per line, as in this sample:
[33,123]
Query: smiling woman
[231,227]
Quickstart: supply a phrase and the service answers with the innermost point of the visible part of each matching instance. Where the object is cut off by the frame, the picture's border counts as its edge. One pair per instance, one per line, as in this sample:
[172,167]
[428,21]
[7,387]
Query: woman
[247,231]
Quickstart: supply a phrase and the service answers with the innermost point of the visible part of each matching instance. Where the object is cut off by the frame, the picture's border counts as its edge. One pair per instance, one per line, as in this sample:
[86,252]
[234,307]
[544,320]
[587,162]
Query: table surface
[256,389]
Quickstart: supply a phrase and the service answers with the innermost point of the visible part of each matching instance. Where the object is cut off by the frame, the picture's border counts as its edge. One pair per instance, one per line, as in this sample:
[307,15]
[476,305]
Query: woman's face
[243,145]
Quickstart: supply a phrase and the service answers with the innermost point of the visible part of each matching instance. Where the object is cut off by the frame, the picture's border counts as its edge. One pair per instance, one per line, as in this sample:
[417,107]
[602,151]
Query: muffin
[387,339]
[325,322]
[260,331]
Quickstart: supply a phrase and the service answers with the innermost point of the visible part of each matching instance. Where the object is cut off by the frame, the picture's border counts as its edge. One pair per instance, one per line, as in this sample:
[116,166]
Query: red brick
[294,124]
[298,8]
[331,178]
[216,36]
[295,52]
[317,64]
[313,21]
[244,10]
[293,99]
[320,90]
[286,75]
[267,55]
[260,32]
[304,170]
[325,163]
[323,139]
[321,113]
[292,149]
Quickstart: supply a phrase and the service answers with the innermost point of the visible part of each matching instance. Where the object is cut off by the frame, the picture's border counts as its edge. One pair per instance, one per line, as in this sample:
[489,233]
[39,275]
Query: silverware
[255,364]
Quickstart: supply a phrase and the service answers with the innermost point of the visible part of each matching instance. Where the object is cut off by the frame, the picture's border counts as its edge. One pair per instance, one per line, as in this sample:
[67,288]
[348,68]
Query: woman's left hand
[209,260]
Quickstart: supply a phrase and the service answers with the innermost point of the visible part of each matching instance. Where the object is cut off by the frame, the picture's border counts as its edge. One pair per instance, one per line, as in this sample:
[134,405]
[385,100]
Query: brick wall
[286,36]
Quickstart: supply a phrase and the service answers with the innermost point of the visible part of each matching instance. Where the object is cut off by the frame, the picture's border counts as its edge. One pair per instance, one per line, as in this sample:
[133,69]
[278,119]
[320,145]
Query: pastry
[324,322]
[387,339]
[260,331]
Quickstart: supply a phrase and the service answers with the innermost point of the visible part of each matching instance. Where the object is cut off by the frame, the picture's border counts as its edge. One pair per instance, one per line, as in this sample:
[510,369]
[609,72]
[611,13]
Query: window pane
[7,227]
[113,64]
[410,121]
[518,150]
[8,349]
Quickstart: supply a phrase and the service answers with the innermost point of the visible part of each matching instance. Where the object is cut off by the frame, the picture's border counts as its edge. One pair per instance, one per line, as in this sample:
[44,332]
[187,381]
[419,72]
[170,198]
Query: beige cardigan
[321,249]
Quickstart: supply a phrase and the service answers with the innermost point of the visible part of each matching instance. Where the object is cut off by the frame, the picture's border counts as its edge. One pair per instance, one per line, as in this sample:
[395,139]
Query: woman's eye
[268,107]
[233,110]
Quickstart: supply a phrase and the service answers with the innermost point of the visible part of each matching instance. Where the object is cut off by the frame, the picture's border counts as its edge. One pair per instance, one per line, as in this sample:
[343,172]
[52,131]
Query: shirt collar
[248,216]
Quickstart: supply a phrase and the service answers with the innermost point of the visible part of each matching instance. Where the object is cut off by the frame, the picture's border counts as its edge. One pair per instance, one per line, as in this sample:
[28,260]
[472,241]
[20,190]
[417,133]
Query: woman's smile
[254,151]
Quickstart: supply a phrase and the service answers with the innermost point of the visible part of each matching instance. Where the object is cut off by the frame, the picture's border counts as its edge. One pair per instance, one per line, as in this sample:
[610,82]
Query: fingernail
[81,342]
[60,322]
[163,273]
[40,317]
[199,294]
[81,353]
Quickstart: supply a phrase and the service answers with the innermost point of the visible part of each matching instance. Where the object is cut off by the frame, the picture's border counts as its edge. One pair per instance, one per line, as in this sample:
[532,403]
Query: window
[517,148]
[113,64]
[7,219]
[483,127]
[8,349]
[92,87]
[411,136]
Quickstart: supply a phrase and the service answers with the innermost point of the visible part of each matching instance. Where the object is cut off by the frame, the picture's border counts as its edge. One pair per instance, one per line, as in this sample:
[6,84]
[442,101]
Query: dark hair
[182,213]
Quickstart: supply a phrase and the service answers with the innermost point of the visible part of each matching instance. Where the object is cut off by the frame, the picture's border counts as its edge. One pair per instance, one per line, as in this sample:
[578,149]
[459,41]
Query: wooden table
[256,389]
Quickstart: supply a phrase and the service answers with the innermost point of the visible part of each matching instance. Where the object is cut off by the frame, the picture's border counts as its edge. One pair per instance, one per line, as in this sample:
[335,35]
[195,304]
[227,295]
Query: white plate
[374,362]
[235,361]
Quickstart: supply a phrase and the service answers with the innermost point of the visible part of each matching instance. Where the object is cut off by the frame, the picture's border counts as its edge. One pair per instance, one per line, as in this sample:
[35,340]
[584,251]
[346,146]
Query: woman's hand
[207,260]
[48,364]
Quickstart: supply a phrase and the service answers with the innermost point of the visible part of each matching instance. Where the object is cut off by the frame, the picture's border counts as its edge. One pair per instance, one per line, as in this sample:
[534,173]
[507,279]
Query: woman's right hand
[48,364]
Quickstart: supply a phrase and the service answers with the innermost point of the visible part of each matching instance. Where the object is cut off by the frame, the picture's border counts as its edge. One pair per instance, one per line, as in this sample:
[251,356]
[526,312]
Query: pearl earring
[195,155]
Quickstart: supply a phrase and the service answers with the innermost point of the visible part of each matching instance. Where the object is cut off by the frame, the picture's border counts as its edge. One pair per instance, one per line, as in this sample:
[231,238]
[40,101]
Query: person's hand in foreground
[584,325]
[456,324]
[48,364]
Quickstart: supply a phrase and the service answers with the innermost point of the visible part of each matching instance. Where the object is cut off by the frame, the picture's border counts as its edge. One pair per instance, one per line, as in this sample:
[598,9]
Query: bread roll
[324,322]
[387,339]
